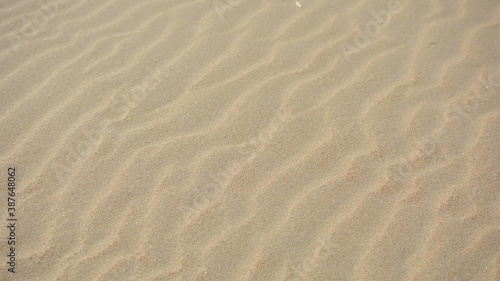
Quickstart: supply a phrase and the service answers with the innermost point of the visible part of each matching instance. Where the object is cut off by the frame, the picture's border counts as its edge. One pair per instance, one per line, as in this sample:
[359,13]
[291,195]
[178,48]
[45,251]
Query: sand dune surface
[250,140]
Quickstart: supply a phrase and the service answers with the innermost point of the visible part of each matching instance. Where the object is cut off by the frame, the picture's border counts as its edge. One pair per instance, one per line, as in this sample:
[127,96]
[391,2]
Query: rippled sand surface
[251,140]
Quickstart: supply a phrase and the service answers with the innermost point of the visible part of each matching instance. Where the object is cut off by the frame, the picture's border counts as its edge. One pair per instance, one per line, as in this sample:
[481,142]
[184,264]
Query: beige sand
[251,140]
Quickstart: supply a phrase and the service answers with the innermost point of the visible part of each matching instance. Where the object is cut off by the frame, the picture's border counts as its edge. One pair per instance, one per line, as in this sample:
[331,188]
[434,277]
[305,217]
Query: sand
[250,140]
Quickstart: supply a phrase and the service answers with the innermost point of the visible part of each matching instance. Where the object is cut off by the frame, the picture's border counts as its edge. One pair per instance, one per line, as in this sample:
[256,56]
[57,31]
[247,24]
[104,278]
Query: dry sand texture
[250,140]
